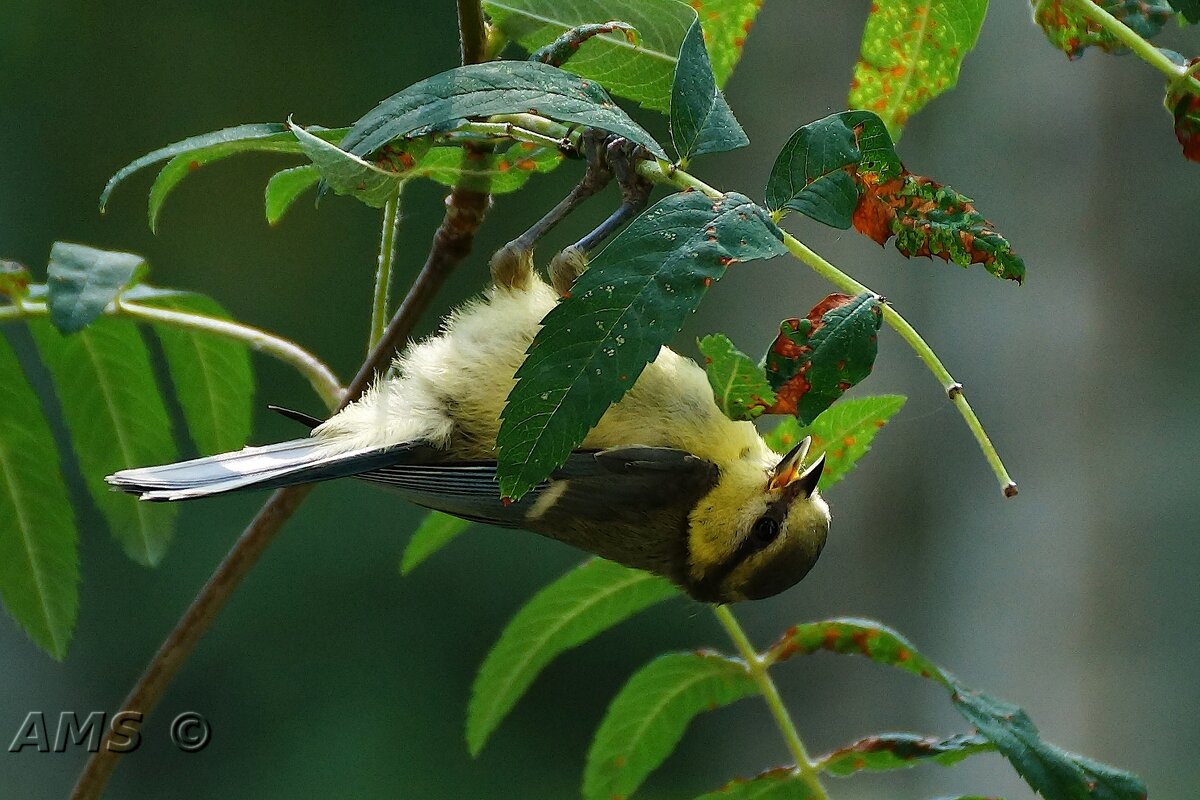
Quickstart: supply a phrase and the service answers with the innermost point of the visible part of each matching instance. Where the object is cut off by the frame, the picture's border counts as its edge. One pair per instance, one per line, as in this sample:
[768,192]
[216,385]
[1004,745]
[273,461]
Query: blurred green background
[330,676]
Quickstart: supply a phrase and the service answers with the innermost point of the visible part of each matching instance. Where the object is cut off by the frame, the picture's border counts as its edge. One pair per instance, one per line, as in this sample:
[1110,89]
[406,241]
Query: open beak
[788,474]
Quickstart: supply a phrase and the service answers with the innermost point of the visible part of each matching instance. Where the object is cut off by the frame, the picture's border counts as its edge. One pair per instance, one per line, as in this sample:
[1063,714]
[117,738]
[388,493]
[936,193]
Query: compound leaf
[435,532]
[701,120]
[83,280]
[739,384]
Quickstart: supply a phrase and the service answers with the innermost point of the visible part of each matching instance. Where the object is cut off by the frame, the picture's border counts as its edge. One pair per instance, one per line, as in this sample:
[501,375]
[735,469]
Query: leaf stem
[1138,45]
[383,275]
[806,768]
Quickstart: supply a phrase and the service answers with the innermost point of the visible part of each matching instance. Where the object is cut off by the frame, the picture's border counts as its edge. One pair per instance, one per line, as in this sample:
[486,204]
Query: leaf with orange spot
[739,384]
[1072,31]
[886,751]
[912,51]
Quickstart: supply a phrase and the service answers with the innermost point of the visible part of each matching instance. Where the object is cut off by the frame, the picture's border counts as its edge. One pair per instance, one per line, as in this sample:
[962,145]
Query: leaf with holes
[886,751]
[497,87]
[815,172]
[14,280]
[435,532]
[82,281]
[739,384]
[39,559]
[911,52]
[815,359]
[649,715]
[781,783]
[1072,31]
[117,419]
[577,607]
[701,120]
[843,432]
[634,296]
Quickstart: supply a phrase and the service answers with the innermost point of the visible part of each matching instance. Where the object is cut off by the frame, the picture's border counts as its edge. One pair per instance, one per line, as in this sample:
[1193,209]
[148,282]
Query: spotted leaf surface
[887,751]
[634,296]
[911,52]
[815,359]
[739,384]
[701,120]
[775,784]
[1071,31]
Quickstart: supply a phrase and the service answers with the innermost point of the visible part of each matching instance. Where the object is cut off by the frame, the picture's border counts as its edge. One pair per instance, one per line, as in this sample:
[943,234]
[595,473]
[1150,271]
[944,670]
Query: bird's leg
[512,265]
[622,156]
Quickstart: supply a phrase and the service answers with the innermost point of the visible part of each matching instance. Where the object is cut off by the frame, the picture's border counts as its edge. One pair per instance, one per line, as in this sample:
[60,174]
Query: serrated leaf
[886,751]
[348,174]
[776,784]
[649,715]
[497,87]
[83,280]
[701,120]
[911,52]
[843,432]
[212,375]
[285,187]
[814,173]
[435,532]
[739,384]
[497,173]
[39,559]
[634,296]
[14,280]
[580,605]
[1189,8]
[116,418]
[1072,31]
[1051,771]
[814,360]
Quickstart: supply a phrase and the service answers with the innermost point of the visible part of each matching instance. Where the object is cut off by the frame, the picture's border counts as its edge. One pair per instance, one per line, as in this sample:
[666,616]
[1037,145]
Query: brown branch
[465,209]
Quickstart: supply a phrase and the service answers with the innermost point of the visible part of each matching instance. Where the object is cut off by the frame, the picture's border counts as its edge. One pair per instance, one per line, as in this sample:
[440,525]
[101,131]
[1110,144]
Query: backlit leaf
[435,532]
[701,120]
[39,562]
[14,280]
[887,751]
[83,280]
[814,360]
[116,418]
[497,173]
[497,87]
[739,384]
[649,715]
[776,784]
[843,432]
[580,605]
[911,52]
[285,187]
[1072,31]
[634,296]
[348,174]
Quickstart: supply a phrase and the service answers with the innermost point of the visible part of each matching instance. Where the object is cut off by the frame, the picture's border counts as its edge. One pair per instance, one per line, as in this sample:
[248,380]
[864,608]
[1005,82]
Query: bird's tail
[269,467]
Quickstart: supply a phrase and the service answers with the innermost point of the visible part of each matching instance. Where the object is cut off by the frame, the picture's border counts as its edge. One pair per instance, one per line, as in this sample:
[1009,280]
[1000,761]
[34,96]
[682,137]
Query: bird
[664,482]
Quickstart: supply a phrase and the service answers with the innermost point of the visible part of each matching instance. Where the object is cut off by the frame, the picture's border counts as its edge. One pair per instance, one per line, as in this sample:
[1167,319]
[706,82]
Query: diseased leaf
[435,532]
[348,174]
[701,120]
[814,360]
[781,783]
[1070,30]
[911,52]
[843,432]
[1189,8]
[580,605]
[1185,108]
[561,49]
[82,281]
[496,173]
[726,24]
[739,385]
[1051,771]
[285,187]
[212,375]
[116,418]
[886,751]
[497,87]
[649,715]
[815,172]
[634,296]
[39,559]
[14,280]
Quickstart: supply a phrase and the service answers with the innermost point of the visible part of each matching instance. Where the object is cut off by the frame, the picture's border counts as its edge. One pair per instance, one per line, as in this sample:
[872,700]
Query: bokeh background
[330,676]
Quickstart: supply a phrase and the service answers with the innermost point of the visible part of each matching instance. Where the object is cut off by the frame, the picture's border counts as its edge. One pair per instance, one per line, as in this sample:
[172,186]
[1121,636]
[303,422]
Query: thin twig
[1139,46]
[383,275]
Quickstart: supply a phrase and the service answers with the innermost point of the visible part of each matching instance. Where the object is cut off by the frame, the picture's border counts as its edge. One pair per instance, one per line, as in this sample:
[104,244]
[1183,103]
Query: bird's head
[759,531]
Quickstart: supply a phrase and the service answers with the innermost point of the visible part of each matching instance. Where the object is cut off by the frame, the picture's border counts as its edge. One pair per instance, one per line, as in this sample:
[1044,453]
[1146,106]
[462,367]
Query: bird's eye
[765,531]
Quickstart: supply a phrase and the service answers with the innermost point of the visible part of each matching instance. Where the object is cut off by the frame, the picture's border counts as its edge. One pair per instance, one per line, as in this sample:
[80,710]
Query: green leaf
[726,24]
[212,375]
[739,384]
[815,359]
[911,52]
[701,120]
[435,532]
[497,87]
[814,173]
[1185,108]
[497,173]
[116,418]
[83,281]
[39,561]
[776,784]
[843,432]
[560,51]
[1051,771]
[348,174]
[649,715]
[887,751]
[580,605]
[1072,31]
[285,187]
[1189,8]
[14,280]
[634,296]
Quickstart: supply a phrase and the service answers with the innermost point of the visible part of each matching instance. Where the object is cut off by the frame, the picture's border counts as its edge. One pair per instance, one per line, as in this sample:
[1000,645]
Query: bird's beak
[788,468]
[806,483]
